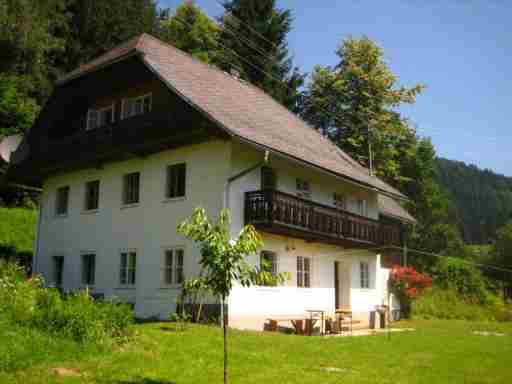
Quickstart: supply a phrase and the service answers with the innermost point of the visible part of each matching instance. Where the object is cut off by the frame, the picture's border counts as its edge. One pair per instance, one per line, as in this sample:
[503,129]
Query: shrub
[463,277]
[408,284]
[76,316]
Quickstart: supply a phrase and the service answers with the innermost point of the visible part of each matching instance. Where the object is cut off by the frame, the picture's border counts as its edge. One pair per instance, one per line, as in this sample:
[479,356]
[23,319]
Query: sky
[461,50]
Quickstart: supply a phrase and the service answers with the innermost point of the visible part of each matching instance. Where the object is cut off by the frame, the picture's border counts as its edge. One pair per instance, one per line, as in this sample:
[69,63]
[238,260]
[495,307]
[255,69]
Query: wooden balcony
[281,213]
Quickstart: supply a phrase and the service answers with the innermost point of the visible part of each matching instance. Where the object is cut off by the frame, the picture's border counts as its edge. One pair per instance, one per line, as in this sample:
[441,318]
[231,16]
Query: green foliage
[462,277]
[254,35]
[17,109]
[502,248]
[17,228]
[482,199]
[75,316]
[192,31]
[447,303]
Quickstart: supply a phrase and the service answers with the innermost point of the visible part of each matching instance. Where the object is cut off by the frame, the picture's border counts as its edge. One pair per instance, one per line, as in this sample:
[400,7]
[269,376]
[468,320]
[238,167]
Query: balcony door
[341,284]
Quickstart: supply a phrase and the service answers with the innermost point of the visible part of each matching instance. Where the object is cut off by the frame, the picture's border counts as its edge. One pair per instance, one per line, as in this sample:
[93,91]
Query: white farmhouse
[130,143]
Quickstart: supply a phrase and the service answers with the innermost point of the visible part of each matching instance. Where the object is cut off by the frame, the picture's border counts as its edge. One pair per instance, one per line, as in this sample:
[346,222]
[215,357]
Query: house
[130,143]
[8,144]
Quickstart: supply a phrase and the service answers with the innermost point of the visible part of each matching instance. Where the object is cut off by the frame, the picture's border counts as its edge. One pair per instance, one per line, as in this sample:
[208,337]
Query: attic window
[136,106]
[99,117]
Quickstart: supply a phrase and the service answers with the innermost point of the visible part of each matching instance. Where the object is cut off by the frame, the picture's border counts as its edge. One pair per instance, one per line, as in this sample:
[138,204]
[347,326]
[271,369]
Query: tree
[254,43]
[355,103]
[502,248]
[17,110]
[192,31]
[98,26]
[222,257]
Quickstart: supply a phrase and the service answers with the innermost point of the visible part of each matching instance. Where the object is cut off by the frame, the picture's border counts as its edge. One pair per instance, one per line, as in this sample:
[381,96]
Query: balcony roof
[391,208]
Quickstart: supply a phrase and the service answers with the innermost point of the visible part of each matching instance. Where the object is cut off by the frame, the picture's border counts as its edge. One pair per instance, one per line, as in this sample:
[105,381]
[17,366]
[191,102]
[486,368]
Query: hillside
[17,227]
[482,198]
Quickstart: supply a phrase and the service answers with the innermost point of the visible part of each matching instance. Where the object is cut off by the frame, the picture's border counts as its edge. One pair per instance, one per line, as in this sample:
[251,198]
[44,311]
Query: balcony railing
[281,212]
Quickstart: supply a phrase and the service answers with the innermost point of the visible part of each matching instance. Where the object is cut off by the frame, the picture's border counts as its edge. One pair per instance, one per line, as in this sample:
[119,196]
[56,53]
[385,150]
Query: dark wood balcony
[281,213]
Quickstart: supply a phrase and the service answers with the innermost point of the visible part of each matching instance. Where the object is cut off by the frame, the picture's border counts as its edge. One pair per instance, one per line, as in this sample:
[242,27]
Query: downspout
[38,237]
[225,203]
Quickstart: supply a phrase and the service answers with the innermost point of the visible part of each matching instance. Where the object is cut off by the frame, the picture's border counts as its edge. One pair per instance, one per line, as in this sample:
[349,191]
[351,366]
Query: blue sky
[460,49]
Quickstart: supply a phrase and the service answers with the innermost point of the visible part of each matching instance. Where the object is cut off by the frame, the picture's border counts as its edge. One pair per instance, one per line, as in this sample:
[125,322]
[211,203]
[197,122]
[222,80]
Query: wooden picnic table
[296,321]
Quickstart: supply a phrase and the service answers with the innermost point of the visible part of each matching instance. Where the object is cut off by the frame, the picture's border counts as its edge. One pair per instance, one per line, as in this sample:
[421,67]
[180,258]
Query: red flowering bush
[408,284]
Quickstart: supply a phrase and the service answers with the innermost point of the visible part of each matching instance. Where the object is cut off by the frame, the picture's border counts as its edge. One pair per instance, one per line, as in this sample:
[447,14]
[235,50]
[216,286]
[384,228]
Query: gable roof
[241,109]
[391,208]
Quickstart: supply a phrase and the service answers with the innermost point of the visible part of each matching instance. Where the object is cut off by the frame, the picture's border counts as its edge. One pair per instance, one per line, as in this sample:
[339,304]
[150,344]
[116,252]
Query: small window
[268,178]
[88,268]
[364,269]
[362,207]
[268,262]
[128,268]
[92,195]
[62,201]
[100,117]
[339,200]
[176,178]
[303,188]
[173,266]
[131,185]
[303,272]
[136,106]
[58,270]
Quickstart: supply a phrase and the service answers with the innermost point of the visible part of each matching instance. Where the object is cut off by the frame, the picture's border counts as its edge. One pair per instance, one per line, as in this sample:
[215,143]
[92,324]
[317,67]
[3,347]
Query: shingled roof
[241,109]
[391,208]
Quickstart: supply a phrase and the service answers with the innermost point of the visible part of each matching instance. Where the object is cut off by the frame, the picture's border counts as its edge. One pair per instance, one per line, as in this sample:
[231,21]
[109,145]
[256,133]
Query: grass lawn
[437,352]
[17,227]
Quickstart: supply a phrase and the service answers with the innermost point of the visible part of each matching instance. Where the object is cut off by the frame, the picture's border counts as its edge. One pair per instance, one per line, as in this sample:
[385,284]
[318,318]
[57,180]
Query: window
[303,188]
[173,266]
[268,178]
[58,270]
[128,268]
[362,207]
[88,268]
[99,117]
[62,199]
[364,269]
[176,176]
[131,185]
[92,195]
[136,106]
[339,200]
[268,262]
[303,272]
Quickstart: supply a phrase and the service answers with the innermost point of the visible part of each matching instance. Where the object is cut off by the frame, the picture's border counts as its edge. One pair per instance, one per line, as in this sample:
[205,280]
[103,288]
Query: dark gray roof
[391,208]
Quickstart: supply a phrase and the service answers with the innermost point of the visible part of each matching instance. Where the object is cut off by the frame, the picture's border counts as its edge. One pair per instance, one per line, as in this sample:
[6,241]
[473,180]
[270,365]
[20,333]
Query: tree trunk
[225,331]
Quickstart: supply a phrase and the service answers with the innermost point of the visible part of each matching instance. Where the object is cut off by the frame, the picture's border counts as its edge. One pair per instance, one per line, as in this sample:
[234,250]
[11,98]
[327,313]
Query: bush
[76,316]
[408,284]
[463,277]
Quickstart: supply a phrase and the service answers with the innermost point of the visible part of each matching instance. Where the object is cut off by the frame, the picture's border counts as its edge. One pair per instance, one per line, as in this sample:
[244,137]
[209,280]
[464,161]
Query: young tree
[17,109]
[192,31]
[254,42]
[223,259]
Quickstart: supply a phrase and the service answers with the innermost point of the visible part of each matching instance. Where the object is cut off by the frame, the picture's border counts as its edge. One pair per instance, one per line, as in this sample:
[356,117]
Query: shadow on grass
[144,380]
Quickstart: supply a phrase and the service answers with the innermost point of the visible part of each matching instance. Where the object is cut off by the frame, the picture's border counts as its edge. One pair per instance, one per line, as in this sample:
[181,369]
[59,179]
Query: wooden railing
[272,208]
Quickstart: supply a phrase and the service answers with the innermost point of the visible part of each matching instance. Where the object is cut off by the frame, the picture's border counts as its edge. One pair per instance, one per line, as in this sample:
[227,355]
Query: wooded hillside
[482,198]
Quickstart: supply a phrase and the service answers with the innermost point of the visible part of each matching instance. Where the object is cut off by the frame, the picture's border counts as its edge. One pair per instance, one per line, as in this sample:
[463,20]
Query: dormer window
[100,117]
[136,106]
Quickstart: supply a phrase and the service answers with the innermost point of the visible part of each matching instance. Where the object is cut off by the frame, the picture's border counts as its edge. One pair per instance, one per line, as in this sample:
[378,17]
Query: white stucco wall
[149,227]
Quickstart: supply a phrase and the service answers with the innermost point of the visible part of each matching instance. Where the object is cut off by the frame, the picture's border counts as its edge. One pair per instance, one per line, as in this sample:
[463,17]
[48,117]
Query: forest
[354,102]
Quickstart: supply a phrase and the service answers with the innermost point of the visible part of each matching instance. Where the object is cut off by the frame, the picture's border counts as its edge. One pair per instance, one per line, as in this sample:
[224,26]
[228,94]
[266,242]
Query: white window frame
[124,196]
[301,272]
[57,201]
[174,268]
[339,200]
[362,207]
[364,275]
[134,99]
[275,264]
[303,188]
[168,182]
[98,111]
[83,254]
[86,209]
[129,283]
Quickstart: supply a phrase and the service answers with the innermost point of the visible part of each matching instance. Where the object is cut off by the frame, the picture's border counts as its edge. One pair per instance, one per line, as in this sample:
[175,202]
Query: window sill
[170,287]
[174,199]
[128,288]
[128,206]
[90,212]
[61,215]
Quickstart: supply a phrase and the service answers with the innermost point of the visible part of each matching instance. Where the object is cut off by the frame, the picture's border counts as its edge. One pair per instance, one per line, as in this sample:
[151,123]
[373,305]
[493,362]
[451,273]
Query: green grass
[437,352]
[17,227]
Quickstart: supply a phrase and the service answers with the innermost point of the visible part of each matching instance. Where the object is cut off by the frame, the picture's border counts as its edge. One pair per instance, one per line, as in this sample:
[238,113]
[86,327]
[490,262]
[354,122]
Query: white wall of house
[148,227]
